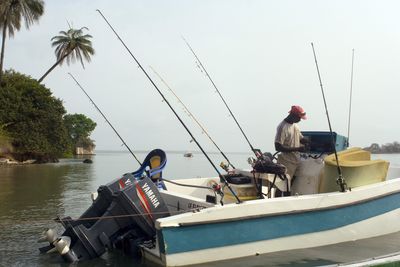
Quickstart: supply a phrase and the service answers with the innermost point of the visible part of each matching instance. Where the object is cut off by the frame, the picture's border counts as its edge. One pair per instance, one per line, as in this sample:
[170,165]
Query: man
[289,141]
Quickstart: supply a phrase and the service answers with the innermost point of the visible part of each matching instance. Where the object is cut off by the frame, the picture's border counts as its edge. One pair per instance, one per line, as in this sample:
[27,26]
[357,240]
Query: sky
[257,52]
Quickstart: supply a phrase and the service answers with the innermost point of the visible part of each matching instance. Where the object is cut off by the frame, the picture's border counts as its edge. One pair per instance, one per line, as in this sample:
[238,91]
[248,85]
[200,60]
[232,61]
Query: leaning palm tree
[11,13]
[71,46]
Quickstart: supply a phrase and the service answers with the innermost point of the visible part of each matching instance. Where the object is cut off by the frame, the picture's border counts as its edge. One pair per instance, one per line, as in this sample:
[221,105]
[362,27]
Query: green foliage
[72,45]
[32,117]
[79,128]
[13,11]
[68,154]
[11,14]
[384,149]
[5,141]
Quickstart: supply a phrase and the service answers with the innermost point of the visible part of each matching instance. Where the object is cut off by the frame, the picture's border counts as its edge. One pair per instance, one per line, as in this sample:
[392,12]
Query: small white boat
[188,155]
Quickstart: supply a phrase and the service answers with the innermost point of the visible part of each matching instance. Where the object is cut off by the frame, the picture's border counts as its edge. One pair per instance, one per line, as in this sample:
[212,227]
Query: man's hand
[305,140]
[302,149]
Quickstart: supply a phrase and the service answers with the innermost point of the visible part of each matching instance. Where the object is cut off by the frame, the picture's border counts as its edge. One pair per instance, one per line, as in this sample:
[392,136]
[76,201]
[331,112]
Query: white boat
[199,220]
[253,227]
[188,154]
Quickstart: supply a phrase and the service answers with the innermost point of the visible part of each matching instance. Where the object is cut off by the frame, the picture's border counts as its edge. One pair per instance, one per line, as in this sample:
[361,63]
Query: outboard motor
[123,213]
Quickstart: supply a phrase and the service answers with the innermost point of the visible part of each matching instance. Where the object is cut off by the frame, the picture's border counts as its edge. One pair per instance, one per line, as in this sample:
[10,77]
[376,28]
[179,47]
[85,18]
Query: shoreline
[9,162]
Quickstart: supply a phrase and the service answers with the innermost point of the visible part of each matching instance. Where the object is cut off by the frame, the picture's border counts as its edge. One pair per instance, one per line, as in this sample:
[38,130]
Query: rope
[15,222]
[195,186]
[188,185]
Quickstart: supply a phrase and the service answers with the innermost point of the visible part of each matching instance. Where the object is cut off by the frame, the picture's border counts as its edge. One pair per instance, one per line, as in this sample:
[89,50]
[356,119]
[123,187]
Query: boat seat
[152,166]
[357,169]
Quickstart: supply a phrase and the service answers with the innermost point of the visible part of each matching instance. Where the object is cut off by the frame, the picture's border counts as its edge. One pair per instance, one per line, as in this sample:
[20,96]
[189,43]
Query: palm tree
[71,46]
[11,13]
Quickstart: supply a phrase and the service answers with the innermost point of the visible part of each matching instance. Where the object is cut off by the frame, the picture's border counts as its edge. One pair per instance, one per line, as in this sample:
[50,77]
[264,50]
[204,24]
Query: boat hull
[269,225]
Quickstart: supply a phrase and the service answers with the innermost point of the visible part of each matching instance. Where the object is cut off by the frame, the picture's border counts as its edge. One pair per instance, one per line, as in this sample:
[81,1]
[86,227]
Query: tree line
[384,149]
[33,122]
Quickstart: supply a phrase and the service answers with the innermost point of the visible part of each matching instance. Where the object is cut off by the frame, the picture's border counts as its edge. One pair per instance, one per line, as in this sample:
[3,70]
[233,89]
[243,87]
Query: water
[31,196]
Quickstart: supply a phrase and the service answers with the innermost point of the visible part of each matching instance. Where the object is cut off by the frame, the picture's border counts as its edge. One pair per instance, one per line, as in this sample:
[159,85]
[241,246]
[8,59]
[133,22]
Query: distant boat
[188,154]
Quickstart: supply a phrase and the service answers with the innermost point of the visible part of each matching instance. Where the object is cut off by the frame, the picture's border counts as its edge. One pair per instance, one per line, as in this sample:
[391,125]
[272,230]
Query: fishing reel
[218,189]
[224,166]
[260,156]
[341,182]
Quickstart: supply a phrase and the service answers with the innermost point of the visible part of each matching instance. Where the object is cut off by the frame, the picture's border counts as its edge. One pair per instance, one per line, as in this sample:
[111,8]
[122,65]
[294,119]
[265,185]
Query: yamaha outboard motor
[123,213]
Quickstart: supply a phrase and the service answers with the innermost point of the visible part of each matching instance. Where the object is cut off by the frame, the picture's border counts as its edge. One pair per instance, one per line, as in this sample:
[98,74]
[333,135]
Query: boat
[202,220]
[188,155]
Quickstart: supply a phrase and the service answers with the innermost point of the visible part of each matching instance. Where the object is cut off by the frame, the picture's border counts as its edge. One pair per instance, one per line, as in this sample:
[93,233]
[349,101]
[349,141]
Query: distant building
[84,151]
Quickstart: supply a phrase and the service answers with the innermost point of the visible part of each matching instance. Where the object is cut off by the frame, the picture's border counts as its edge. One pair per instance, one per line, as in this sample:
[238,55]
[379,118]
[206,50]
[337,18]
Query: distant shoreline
[384,153]
[8,162]
[209,152]
[389,148]
[170,151]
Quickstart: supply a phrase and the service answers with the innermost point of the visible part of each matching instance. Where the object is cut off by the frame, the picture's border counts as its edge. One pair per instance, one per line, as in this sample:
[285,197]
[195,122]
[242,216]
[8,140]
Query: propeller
[62,244]
[48,235]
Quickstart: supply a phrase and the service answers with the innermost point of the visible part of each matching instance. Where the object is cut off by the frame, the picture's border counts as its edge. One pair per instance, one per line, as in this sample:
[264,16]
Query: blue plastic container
[321,142]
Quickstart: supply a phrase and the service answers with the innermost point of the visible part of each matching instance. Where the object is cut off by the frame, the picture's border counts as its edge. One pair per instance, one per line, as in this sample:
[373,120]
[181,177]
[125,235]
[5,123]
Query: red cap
[299,111]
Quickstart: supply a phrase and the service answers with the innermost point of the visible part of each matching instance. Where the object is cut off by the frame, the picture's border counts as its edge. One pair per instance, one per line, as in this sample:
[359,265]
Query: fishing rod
[193,117]
[109,123]
[340,180]
[196,186]
[351,92]
[223,100]
[172,109]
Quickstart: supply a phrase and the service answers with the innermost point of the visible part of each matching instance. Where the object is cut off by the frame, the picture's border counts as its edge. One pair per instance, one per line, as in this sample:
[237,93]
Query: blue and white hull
[267,225]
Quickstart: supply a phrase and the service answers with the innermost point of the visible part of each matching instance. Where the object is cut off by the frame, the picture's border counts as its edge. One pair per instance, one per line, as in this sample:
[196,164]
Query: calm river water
[32,195]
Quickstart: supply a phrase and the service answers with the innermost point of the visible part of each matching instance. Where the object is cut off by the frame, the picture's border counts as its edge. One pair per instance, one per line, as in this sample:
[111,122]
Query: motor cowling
[124,209]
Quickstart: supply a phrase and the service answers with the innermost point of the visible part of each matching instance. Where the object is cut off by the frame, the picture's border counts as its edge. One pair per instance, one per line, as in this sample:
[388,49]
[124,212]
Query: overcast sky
[257,52]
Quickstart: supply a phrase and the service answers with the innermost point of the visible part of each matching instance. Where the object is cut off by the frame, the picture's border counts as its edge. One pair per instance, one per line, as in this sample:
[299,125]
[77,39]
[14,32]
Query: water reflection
[31,196]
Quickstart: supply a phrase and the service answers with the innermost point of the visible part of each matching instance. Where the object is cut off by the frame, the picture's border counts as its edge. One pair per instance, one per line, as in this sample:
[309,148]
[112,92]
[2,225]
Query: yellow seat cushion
[154,163]
[357,169]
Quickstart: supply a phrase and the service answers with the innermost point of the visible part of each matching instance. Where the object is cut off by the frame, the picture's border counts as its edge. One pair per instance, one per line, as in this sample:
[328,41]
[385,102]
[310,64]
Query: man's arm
[281,148]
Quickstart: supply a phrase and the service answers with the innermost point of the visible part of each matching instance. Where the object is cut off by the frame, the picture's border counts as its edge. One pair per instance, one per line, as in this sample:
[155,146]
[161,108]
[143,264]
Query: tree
[386,148]
[79,128]
[11,13]
[71,46]
[5,141]
[374,148]
[33,118]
